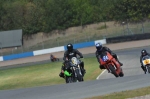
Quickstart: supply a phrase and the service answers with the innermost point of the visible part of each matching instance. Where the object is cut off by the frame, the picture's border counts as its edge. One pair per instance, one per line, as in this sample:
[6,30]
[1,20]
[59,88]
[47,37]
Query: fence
[81,34]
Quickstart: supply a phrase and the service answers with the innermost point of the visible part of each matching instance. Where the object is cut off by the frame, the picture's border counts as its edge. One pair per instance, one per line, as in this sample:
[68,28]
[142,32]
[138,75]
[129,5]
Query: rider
[52,57]
[100,50]
[143,53]
[68,55]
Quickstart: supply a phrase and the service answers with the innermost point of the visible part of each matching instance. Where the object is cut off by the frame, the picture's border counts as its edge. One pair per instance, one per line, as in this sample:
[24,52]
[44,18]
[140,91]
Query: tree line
[46,15]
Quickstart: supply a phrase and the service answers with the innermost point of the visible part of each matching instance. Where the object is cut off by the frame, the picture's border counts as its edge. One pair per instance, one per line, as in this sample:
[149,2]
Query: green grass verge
[125,94]
[42,75]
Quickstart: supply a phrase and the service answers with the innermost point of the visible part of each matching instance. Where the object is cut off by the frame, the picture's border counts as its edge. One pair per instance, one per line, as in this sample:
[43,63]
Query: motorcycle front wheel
[121,74]
[79,76]
[69,80]
[113,71]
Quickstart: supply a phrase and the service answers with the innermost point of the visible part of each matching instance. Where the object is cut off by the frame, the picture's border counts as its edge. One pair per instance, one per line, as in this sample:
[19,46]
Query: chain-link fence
[84,34]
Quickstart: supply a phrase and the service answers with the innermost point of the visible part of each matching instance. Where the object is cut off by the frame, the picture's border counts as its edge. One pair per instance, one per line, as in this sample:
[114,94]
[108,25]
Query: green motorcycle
[73,71]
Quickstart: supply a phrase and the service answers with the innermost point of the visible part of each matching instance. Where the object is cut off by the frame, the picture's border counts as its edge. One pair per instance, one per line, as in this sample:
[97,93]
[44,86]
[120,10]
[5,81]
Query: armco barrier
[82,45]
[16,56]
[1,58]
[50,50]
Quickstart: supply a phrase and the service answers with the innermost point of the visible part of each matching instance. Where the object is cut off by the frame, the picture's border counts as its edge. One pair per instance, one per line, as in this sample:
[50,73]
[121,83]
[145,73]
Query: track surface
[107,83]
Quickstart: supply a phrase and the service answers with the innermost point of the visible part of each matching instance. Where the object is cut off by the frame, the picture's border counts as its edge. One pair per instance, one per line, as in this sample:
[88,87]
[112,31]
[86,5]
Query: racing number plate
[105,58]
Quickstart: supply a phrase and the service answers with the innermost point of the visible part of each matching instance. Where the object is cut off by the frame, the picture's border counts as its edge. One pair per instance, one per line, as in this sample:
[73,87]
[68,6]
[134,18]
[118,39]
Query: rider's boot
[121,64]
[83,71]
[101,67]
[61,75]
[82,68]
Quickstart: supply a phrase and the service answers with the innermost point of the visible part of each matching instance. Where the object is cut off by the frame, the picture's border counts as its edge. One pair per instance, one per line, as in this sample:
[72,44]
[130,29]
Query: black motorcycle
[73,71]
[146,64]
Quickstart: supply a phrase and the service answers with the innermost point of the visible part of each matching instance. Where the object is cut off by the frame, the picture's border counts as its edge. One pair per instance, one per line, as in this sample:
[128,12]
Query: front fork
[79,69]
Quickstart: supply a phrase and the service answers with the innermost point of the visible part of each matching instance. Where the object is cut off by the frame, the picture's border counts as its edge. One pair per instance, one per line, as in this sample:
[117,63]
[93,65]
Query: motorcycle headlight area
[74,61]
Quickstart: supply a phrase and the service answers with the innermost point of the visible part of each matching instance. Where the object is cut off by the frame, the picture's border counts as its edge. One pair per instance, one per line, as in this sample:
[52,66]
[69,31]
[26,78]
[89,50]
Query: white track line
[100,74]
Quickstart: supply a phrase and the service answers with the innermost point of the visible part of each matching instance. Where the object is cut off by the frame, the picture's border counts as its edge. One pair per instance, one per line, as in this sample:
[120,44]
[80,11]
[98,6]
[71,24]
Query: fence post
[123,27]
[42,42]
[1,48]
[12,51]
[57,42]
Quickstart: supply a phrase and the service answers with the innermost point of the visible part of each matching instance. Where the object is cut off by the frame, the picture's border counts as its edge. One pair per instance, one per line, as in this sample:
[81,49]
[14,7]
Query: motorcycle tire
[69,80]
[148,67]
[113,71]
[79,76]
[121,74]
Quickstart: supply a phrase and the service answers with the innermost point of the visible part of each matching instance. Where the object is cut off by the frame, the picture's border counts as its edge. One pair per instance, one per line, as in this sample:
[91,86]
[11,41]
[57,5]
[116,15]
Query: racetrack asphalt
[134,78]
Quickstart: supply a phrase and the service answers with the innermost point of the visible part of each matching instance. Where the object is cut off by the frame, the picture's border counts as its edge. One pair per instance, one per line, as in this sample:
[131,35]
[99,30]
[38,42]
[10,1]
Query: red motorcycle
[110,63]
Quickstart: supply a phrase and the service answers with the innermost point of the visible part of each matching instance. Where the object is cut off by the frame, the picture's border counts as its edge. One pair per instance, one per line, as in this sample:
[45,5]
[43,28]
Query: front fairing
[74,65]
[104,59]
[146,60]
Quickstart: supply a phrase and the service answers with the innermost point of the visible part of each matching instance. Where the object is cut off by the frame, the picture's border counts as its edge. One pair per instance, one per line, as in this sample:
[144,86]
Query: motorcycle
[111,64]
[54,59]
[146,63]
[73,71]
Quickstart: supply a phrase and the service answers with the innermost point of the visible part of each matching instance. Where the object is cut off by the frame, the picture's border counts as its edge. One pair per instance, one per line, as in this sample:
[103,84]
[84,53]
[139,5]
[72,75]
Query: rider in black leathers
[100,50]
[143,53]
[68,55]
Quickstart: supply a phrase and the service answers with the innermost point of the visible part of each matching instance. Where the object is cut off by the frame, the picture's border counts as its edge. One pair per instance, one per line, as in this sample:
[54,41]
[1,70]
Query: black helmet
[144,52]
[69,47]
[98,46]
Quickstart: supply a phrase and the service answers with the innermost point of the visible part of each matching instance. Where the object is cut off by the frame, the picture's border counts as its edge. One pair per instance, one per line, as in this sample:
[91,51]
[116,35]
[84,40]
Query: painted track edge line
[100,74]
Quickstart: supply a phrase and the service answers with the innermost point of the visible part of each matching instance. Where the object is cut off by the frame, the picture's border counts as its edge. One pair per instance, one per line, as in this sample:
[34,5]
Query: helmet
[98,46]
[144,52]
[69,47]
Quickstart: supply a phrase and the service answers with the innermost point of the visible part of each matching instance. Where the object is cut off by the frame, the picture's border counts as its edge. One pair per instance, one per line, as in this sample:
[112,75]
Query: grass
[125,94]
[102,27]
[42,75]
[47,74]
